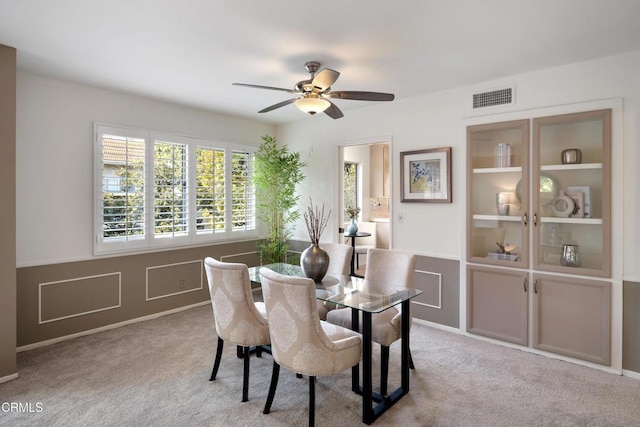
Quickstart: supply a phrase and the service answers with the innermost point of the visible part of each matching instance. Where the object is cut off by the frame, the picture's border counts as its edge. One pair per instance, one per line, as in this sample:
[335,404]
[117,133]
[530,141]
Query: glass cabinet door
[498,193]
[572,197]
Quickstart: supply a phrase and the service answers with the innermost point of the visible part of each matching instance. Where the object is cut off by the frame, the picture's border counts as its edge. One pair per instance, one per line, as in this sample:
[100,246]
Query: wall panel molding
[64,299]
[428,299]
[174,279]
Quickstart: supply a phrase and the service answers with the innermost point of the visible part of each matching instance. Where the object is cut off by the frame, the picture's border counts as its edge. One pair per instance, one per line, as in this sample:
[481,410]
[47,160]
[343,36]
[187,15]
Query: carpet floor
[156,373]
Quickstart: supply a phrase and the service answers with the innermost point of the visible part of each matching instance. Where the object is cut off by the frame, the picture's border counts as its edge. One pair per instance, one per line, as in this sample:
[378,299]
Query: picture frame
[425,176]
[586,190]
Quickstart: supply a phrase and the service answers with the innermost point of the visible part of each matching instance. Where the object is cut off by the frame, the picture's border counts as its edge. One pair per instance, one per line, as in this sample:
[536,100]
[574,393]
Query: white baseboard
[8,378]
[631,374]
[437,326]
[108,327]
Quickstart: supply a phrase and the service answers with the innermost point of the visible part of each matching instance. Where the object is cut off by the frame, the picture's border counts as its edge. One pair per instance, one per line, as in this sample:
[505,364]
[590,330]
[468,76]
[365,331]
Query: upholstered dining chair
[300,341]
[391,269]
[363,244]
[339,263]
[239,320]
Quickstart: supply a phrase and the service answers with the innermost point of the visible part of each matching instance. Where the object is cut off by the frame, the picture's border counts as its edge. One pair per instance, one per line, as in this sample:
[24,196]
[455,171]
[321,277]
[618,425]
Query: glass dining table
[365,297]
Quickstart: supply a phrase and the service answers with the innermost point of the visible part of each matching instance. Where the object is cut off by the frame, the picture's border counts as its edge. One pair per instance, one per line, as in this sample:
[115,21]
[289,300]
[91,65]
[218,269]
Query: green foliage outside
[123,209]
[276,174]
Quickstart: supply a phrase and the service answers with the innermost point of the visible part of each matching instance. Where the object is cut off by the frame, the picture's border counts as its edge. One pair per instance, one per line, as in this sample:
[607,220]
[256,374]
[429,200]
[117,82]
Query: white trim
[132,253]
[108,327]
[440,326]
[40,285]
[631,374]
[8,378]
[238,254]
[439,306]
[147,298]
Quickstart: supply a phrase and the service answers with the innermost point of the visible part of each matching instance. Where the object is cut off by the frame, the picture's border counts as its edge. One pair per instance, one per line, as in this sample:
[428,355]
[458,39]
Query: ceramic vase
[314,262]
[352,228]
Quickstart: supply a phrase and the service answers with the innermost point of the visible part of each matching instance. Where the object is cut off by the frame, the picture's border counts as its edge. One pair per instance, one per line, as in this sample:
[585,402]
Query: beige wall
[8,222]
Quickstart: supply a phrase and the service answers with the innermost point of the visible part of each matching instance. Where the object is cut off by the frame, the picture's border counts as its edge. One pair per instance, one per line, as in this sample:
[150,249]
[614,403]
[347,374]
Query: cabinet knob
[524,218]
[535,219]
[526,281]
[535,286]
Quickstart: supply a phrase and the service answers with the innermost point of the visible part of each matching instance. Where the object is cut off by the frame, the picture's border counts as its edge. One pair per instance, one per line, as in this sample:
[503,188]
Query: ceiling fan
[313,95]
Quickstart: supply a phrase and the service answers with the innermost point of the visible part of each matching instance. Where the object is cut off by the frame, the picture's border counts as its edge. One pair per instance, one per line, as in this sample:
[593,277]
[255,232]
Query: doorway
[366,183]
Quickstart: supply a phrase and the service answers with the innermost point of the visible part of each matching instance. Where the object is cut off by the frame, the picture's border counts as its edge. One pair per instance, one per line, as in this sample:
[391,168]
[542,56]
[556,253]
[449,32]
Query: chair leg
[245,377]
[258,351]
[216,364]
[272,388]
[384,369]
[312,401]
[411,365]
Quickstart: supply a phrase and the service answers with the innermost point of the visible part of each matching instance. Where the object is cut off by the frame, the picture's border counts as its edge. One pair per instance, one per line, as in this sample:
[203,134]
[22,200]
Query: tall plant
[276,174]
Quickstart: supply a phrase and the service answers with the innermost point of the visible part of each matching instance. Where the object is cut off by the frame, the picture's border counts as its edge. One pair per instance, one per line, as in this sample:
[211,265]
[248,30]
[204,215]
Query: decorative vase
[570,256]
[352,228]
[314,262]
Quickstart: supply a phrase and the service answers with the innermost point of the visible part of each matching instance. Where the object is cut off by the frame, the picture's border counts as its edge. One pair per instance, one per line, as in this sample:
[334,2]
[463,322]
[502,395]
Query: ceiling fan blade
[325,78]
[362,96]
[278,105]
[333,111]
[266,87]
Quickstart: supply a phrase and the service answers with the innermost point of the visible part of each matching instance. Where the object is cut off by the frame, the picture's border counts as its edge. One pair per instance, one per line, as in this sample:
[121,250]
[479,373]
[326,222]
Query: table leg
[355,370]
[353,256]
[367,382]
[404,355]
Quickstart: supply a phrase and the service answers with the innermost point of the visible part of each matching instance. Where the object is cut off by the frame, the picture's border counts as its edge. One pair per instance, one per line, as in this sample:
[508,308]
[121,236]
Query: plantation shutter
[122,189]
[243,208]
[210,190]
[170,206]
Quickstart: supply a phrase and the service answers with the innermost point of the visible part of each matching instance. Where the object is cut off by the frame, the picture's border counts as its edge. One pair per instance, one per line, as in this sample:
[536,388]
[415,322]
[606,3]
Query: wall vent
[494,97]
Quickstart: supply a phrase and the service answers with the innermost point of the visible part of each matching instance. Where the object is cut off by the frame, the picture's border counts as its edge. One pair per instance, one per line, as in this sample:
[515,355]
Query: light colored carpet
[156,373]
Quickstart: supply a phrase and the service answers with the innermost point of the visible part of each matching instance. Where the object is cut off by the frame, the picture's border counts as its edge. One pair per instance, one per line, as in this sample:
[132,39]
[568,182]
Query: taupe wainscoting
[631,326]
[67,299]
[439,279]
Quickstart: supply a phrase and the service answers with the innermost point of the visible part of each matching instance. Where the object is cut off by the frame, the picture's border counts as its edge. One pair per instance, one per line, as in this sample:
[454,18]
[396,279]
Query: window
[167,190]
[350,185]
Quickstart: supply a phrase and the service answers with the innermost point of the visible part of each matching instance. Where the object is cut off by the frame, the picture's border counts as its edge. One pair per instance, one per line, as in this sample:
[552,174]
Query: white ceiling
[191,51]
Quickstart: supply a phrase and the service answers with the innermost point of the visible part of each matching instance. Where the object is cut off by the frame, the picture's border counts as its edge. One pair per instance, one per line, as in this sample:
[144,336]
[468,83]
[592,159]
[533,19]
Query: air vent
[493,98]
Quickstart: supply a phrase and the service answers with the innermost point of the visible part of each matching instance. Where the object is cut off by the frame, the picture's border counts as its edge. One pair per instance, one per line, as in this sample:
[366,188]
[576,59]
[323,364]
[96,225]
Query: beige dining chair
[339,263]
[300,341]
[391,270]
[363,244]
[239,320]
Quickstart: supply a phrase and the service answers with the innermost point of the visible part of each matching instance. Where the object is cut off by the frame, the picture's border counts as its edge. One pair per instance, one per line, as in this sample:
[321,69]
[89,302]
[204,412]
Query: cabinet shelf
[497,218]
[582,221]
[498,170]
[579,166]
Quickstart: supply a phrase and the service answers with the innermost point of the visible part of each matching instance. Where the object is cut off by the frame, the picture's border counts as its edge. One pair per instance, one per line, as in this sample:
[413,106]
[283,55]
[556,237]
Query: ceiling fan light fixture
[312,105]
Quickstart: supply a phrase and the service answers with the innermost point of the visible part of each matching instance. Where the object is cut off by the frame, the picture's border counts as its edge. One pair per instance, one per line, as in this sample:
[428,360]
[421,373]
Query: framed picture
[586,190]
[425,176]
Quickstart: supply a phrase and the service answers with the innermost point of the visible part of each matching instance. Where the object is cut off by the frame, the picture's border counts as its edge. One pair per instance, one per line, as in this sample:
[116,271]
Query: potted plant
[352,213]
[275,176]
[314,260]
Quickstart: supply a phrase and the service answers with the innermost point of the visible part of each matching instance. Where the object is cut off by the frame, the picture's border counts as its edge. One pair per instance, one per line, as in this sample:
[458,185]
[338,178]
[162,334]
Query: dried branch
[315,221]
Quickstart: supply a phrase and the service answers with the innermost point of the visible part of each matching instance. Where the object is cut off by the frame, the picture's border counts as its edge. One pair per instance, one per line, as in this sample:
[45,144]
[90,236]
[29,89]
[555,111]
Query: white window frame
[150,241]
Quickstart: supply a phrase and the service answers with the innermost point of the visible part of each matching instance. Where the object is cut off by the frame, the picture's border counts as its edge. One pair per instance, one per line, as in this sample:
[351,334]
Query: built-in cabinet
[539,233]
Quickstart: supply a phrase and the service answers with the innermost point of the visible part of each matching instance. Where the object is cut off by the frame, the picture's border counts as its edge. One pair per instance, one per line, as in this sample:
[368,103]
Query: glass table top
[347,291]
